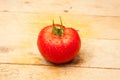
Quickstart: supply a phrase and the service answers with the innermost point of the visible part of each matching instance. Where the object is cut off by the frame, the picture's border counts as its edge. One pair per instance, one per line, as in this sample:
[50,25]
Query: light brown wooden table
[97,22]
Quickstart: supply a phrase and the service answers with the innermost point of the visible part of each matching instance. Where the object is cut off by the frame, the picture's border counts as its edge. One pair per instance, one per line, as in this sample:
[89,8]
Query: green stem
[59,31]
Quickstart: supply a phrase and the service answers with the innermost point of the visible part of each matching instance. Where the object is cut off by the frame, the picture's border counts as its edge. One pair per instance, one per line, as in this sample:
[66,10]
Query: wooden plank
[97,23]
[25,72]
[100,38]
[88,7]
[88,26]
[94,53]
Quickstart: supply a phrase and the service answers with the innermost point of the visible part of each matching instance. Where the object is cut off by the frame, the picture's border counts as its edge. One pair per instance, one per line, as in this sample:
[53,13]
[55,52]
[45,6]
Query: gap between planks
[28,12]
[62,65]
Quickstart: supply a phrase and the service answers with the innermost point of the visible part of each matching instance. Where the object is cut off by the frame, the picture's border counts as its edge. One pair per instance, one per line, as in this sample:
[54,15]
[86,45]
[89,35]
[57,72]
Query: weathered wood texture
[31,72]
[88,7]
[97,22]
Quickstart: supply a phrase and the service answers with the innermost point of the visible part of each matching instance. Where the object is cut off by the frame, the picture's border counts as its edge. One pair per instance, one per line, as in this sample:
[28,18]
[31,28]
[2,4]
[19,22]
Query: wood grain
[94,53]
[97,22]
[18,72]
[88,7]
[100,37]
[88,26]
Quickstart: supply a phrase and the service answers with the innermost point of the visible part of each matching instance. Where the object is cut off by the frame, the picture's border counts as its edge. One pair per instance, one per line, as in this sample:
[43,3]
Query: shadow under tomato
[82,58]
[79,60]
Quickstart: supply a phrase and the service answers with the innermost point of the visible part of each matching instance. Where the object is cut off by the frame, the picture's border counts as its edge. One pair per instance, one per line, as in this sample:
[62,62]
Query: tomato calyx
[58,31]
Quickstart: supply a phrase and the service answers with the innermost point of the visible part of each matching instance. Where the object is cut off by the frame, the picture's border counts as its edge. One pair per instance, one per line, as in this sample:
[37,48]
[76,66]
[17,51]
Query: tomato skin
[58,49]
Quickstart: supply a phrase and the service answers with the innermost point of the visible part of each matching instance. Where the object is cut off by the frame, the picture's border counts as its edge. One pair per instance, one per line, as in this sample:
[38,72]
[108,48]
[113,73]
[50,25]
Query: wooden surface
[97,22]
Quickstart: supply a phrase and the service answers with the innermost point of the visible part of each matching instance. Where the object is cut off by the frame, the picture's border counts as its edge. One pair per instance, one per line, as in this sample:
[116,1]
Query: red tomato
[58,44]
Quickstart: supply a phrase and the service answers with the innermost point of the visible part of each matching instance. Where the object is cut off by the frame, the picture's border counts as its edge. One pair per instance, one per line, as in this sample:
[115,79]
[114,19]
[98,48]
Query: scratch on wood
[66,11]
[5,11]
[5,49]
[26,2]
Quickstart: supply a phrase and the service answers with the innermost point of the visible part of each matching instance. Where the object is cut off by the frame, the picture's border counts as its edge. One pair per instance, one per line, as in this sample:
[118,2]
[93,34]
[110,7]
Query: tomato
[58,44]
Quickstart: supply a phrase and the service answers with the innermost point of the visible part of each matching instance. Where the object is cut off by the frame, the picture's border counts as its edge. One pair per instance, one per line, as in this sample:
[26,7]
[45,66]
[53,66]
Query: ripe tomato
[58,44]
